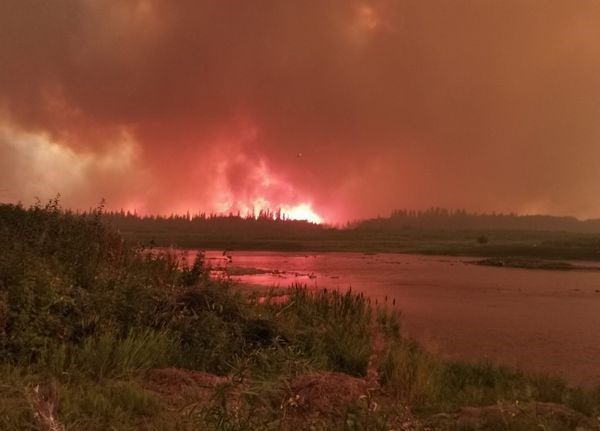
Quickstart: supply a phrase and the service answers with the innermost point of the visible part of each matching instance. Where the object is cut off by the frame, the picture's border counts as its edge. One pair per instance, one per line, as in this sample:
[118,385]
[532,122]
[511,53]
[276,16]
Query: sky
[331,110]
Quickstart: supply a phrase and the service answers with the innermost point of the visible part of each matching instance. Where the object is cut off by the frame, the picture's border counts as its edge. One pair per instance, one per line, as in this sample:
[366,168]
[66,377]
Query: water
[541,321]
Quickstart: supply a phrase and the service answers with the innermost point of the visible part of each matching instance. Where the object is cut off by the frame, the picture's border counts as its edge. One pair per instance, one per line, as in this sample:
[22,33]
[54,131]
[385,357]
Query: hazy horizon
[270,213]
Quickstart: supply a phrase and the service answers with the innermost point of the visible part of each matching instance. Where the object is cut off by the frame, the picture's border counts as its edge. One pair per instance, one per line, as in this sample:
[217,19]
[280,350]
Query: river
[537,320]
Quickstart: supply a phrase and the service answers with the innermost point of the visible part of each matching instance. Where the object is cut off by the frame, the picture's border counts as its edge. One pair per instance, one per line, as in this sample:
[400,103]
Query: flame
[259,191]
[302,212]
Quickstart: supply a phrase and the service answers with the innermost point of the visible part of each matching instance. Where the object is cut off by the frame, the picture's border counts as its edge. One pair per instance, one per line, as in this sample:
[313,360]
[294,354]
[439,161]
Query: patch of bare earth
[325,398]
[320,396]
[326,394]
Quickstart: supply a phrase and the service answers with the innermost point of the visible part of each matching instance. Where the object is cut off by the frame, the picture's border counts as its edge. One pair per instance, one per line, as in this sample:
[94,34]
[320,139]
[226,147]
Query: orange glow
[302,212]
[249,187]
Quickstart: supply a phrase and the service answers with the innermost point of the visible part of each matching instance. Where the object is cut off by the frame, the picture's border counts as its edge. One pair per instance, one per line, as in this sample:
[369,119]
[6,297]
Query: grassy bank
[498,244]
[96,335]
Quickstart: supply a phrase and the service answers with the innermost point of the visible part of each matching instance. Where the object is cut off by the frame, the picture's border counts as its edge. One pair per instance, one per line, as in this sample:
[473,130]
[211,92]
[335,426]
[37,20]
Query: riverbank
[95,335]
[546,246]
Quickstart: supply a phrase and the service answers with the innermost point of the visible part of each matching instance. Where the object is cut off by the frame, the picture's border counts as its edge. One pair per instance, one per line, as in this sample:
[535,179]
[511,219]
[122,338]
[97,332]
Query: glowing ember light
[259,192]
[302,212]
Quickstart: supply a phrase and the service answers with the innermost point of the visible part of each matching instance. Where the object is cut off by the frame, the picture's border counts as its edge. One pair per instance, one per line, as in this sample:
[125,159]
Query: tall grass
[319,322]
[410,373]
[108,356]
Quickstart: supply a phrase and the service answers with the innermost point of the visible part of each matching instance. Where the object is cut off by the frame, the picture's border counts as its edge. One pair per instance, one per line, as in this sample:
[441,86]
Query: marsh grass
[319,322]
[106,355]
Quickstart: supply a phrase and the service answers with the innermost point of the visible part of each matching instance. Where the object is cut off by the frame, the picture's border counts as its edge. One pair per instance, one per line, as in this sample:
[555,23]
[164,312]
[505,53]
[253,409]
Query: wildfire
[263,207]
[302,212]
[249,187]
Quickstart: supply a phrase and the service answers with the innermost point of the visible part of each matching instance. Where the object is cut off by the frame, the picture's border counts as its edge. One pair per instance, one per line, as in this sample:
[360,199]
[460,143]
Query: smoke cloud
[345,108]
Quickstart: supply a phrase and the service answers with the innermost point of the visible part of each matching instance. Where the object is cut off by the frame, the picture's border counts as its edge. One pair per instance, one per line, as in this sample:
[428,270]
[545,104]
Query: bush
[332,327]
[410,373]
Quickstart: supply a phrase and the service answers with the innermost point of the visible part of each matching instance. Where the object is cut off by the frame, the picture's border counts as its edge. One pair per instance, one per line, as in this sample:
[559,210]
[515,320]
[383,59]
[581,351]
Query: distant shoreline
[512,248]
[541,264]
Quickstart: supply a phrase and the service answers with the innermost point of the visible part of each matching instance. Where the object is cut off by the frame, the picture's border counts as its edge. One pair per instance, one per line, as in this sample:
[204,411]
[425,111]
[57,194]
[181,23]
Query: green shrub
[330,326]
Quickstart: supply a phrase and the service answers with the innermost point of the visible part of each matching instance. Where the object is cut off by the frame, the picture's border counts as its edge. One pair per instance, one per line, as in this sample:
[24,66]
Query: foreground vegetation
[97,335]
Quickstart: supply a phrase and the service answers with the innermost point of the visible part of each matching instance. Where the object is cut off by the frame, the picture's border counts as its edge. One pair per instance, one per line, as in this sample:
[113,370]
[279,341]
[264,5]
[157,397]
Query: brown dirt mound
[175,384]
[326,394]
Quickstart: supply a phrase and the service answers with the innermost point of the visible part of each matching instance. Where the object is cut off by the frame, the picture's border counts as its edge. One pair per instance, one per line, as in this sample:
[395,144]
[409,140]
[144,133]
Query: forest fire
[250,188]
[302,212]
[332,214]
